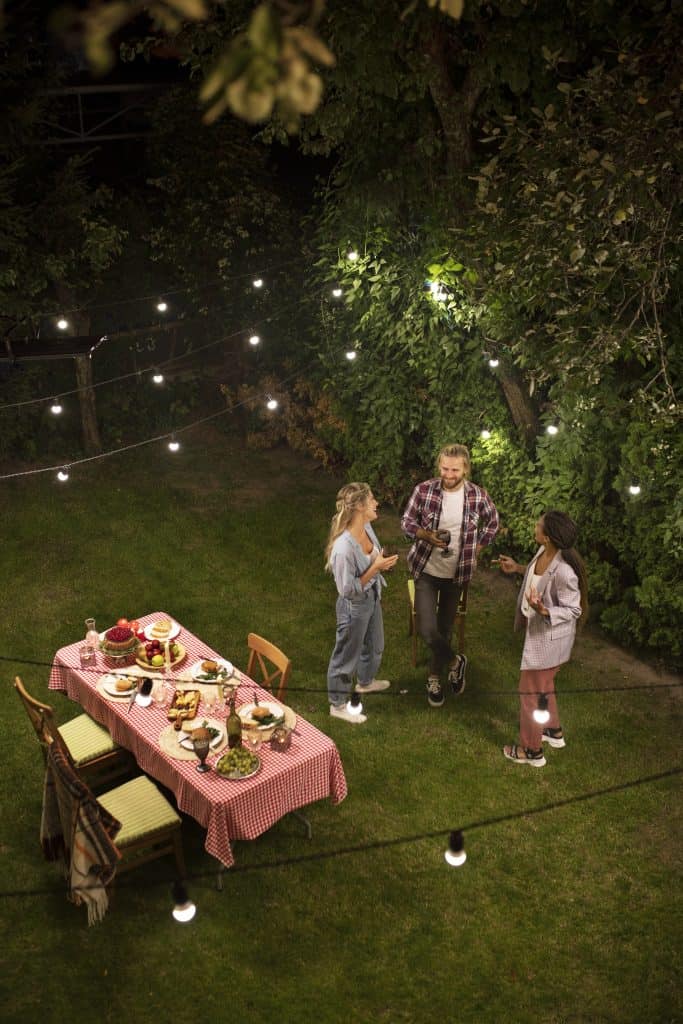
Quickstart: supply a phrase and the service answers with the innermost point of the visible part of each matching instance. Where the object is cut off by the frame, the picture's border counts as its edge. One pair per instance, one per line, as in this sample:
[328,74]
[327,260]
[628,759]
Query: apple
[134,625]
[123,623]
[158,659]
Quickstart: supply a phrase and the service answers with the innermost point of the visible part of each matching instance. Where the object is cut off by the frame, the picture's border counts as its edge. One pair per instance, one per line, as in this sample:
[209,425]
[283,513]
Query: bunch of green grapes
[237,761]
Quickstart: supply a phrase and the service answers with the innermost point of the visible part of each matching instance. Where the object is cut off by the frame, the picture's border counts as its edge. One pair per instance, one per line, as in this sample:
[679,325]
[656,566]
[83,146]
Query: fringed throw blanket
[76,827]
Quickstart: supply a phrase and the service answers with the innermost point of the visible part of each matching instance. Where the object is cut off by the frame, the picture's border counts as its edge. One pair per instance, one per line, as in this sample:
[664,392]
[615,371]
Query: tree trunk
[520,406]
[91,433]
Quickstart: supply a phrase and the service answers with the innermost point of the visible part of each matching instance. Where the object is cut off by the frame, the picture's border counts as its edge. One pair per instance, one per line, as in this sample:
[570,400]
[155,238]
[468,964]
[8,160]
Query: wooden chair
[262,652]
[459,623]
[102,836]
[89,745]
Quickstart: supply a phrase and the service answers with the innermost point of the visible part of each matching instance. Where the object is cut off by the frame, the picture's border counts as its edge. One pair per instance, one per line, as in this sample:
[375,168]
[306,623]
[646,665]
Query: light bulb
[62,324]
[158,378]
[254,340]
[552,429]
[353,255]
[541,713]
[634,489]
[271,403]
[336,292]
[354,705]
[162,306]
[56,407]
[486,434]
[63,475]
[351,355]
[183,908]
[258,283]
[173,445]
[455,854]
[493,363]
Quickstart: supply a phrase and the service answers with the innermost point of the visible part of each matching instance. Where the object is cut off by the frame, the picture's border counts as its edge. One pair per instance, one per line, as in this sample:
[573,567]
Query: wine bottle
[233,726]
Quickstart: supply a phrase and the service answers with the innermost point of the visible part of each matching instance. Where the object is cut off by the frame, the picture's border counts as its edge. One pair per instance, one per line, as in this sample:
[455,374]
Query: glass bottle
[233,726]
[92,637]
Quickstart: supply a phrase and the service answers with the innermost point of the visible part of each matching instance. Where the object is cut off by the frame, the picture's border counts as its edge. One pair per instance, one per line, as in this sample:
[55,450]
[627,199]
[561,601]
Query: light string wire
[378,844]
[167,362]
[150,440]
[172,678]
[165,293]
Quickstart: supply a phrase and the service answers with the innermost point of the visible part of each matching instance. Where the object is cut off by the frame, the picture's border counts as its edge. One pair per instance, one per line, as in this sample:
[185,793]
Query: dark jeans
[436,605]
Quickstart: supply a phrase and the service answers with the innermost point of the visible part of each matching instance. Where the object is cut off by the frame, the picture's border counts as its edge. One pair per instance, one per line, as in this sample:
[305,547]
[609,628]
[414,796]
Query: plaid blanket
[74,826]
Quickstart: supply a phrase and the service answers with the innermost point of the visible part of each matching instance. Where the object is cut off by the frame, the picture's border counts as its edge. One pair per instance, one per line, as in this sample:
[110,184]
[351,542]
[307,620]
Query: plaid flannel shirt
[479,525]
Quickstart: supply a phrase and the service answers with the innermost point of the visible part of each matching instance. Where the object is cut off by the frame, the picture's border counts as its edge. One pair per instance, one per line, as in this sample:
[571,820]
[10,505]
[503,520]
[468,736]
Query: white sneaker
[341,712]
[376,686]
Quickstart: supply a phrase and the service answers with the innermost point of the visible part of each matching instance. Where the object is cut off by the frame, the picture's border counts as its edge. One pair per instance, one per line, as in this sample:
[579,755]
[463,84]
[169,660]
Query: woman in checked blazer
[553,598]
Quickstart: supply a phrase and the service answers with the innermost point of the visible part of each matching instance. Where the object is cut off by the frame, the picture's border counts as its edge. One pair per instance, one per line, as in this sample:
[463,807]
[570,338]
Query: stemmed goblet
[201,740]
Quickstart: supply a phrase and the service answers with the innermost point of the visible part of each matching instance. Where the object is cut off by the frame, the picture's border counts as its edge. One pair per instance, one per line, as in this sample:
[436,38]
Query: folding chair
[459,622]
[99,837]
[262,652]
[89,745]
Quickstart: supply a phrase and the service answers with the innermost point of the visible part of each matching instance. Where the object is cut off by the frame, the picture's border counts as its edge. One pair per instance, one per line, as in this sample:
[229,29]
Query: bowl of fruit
[152,654]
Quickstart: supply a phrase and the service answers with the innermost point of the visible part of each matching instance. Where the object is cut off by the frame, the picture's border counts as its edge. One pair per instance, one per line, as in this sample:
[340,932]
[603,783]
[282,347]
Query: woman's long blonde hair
[350,499]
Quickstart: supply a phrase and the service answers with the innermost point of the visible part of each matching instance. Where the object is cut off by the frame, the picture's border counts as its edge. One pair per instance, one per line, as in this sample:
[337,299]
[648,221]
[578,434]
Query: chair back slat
[265,655]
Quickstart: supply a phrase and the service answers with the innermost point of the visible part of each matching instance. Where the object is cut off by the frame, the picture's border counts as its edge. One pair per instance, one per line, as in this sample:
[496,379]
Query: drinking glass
[201,744]
[210,699]
[92,637]
[86,655]
[253,739]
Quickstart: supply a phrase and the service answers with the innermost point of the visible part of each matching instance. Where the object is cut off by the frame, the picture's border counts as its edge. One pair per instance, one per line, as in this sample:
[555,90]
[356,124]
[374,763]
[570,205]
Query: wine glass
[210,699]
[201,741]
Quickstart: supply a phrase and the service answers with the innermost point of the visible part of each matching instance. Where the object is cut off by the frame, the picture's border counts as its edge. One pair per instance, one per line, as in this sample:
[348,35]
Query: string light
[552,429]
[354,705]
[541,713]
[173,445]
[158,378]
[183,908]
[258,283]
[337,292]
[351,355]
[455,854]
[353,256]
[62,323]
[63,474]
[56,407]
[254,340]
[493,363]
[486,434]
[634,489]
[162,306]
[271,403]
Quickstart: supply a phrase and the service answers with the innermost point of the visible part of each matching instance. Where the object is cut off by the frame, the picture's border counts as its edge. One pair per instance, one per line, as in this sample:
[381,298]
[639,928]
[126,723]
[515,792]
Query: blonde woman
[354,557]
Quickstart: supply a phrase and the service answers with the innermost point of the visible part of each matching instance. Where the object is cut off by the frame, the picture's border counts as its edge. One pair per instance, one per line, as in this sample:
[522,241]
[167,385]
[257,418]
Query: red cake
[120,638]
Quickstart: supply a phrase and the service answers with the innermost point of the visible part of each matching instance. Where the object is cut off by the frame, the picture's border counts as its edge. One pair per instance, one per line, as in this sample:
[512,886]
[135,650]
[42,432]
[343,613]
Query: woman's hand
[535,602]
[508,565]
[383,563]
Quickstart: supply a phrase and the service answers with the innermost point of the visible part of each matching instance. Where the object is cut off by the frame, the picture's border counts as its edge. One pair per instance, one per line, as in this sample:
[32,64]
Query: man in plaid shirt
[449,519]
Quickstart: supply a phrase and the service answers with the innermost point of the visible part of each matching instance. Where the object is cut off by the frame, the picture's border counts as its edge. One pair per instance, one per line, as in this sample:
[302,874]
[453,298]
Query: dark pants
[436,605]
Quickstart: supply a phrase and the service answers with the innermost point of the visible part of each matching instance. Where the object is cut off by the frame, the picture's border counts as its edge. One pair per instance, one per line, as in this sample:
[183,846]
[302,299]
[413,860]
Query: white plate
[225,669]
[275,709]
[175,629]
[109,685]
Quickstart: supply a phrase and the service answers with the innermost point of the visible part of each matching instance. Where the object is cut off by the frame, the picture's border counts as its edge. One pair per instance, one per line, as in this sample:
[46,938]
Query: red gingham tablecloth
[229,809]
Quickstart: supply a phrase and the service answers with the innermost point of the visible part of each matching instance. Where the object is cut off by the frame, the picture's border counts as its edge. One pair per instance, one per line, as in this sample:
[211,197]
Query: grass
[564,917]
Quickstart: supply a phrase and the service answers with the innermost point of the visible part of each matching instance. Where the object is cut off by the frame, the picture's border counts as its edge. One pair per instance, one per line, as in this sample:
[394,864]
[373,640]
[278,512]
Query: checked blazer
[549,641]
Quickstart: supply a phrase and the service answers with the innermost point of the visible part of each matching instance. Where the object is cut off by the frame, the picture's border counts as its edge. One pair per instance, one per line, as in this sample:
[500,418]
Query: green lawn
[569,916]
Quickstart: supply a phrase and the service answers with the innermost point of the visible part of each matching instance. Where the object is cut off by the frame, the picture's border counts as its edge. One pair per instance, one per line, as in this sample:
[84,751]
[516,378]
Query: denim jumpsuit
[360,628]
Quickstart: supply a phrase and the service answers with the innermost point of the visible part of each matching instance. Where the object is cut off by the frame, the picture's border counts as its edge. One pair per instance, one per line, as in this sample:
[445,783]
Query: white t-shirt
[441,565]
[527,610]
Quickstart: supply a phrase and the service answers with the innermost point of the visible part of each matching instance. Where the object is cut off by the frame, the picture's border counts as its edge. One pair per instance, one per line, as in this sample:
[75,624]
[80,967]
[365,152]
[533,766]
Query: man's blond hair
[454,451]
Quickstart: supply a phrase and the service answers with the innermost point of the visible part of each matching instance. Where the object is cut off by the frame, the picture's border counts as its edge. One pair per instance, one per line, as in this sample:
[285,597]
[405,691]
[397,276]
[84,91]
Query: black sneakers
[456,673]
[435,697]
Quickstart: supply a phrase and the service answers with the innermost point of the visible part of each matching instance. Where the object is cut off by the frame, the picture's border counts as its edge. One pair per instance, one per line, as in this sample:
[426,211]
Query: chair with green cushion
[89,746]
[100,837]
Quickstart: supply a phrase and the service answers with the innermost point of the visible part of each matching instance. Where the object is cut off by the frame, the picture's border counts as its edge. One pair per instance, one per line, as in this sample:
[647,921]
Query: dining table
[310,769]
